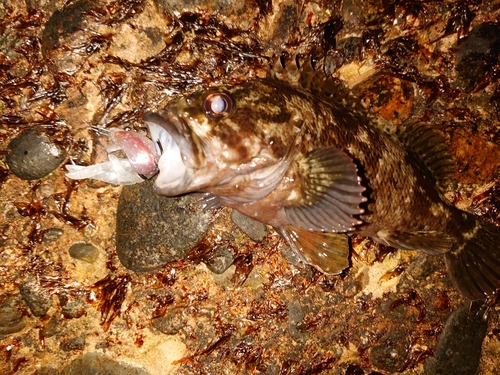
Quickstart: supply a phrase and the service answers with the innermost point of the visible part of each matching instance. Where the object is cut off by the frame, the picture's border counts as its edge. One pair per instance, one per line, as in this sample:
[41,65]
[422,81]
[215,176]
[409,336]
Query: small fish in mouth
[139,164]
[316,172]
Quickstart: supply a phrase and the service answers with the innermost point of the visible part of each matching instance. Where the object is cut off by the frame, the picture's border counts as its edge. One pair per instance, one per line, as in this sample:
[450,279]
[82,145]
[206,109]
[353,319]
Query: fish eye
[218,105]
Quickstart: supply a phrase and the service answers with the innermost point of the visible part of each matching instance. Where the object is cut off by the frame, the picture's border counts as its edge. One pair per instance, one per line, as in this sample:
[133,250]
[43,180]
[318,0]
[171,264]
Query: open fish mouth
[139,150]
[177,147]
[170,162]
[173,152]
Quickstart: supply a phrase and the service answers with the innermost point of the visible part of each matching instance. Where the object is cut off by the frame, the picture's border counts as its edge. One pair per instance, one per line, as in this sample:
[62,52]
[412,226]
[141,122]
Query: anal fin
[328,252]
[431,242]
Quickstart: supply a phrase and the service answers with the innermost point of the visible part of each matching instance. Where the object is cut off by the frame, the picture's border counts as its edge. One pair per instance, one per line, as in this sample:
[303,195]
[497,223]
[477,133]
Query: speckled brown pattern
[274,123]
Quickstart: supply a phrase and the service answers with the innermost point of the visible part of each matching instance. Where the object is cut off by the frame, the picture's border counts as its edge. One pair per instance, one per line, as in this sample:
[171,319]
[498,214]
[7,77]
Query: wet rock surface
[171,323]
[178,290]
[459,346]
[477,54]
[72,308]
[52,234]
[391,355]
[11,319]
[32,155]
[36,298]
[152,230]
[74,343]
[220,260]
[52,327]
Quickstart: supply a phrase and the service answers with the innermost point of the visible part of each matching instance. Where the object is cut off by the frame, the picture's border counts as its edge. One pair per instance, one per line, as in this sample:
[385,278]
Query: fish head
[228,136]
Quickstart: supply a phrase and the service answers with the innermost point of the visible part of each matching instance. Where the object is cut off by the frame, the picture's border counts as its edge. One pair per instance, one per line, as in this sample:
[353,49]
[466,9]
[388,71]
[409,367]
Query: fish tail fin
[474,264]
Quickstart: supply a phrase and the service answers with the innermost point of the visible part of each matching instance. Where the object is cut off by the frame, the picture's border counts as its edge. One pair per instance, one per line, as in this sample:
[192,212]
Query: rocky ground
[102,279]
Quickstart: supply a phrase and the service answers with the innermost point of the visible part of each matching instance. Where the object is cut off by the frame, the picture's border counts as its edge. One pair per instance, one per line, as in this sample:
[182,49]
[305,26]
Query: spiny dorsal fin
[299,71]
[429,146]
[286,68]
[317,82]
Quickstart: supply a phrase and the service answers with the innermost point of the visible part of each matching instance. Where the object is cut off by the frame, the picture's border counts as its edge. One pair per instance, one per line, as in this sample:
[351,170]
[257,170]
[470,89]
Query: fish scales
[323,125]
[316,171]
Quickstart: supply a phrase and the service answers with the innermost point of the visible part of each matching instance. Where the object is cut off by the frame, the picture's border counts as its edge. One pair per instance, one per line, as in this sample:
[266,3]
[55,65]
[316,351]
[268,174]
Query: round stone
[476,54]
[32,155]
[84,251]
[97,363]
[11,320]
[152,230]
[253,229]
[36,298]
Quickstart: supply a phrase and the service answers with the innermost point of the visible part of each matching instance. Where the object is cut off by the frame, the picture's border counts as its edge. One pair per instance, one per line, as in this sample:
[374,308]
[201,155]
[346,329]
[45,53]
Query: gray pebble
[65,30]
[47,370]
[253,229]
[291,256]
[84,251]
[74,343]
[52,327]
[73,309]
[391,354]
[11,320]
[32,155]
[36,298]
[221,260]
[171,323]
[295,316]
[52,235]
[226,7]
[459,347]
[100,364]
[152,230]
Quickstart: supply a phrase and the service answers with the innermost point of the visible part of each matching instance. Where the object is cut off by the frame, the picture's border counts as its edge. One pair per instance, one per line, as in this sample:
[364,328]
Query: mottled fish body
[315,171]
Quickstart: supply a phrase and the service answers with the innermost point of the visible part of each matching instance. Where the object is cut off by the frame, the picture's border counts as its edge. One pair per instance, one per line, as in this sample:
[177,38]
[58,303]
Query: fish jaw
[188,162]
[177,155]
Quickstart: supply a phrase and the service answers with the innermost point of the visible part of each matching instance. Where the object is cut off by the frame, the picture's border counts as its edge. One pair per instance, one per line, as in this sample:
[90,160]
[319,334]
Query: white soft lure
[140,164]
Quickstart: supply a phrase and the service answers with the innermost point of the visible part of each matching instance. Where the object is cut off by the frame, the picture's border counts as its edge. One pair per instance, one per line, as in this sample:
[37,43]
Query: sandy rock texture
[94,279]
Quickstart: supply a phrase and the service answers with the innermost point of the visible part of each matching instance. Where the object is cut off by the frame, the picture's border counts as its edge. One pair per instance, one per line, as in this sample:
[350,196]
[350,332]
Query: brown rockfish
[316,171]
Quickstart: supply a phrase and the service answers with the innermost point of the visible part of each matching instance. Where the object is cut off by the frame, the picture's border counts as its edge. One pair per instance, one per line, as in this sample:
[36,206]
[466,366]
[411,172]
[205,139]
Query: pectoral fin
[330,195]
[328,252]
